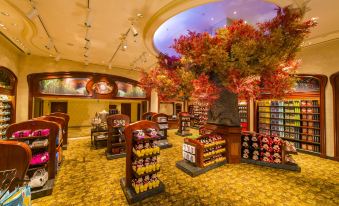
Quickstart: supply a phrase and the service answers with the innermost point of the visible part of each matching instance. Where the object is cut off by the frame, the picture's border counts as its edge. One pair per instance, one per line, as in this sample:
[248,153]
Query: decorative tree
[239,59]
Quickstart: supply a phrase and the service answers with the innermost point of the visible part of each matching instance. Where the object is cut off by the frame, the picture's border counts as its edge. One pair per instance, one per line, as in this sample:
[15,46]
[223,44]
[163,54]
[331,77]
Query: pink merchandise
[40,132]
[40,158]
[21,133]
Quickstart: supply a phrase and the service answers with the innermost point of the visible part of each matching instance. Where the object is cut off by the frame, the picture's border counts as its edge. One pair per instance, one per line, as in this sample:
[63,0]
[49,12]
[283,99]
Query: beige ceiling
[64,21]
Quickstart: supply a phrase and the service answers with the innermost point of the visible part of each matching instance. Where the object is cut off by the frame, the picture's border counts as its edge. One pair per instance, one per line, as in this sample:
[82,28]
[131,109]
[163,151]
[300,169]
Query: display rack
[142,166]
[267,150]
[294,120]
[8,82]
[65,130]
[184,124]
[244,114]
[116,144]
[299,117]
[15,155]
[148,116]
[203,154]
[162,120]
[51,148]
[199,114]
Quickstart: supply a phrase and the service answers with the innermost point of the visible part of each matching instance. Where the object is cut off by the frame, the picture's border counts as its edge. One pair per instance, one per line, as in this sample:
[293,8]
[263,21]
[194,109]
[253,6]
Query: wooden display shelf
[307,127]
[301,141]
[126,183]
[136,175]
[308,152]
[309,120]
[39,147]
[291,167]
[28,138]
[146,138]
[145,156]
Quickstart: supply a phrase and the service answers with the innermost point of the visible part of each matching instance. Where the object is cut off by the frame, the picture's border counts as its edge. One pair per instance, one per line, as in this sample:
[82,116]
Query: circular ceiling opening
[208,18]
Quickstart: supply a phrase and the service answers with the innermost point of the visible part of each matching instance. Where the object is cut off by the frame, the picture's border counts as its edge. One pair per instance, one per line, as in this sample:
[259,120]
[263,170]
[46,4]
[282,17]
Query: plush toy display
[266,148]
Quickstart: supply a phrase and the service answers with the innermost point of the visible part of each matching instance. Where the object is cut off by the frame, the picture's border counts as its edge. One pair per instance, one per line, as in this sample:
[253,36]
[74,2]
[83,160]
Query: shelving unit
[199,114]
[244,114]
[8,82]
[184,124]
[296,120]
[116,144]
[141,163]
[202,154]
[52,164]
[162,120]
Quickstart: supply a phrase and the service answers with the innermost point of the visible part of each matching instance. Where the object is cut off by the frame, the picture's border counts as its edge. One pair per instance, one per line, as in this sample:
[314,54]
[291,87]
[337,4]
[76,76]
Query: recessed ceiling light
[50,55]
[14,24]
[234,12]
[212,19]
[70,44]
[2,25]
[245,22]
[5,28]
[5,13]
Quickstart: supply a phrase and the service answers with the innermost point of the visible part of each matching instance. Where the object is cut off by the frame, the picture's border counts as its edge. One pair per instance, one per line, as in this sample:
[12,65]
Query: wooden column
[335,88]
[232,135]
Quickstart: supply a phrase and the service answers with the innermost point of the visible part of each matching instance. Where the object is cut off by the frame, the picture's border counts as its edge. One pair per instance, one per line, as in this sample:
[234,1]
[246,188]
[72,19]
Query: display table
[97,133]
[173,123]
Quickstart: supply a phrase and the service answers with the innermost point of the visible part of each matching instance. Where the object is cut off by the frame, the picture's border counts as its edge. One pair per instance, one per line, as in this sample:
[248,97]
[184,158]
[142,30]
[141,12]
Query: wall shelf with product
[299,118]
[184,124]
[244,114]
[8,83]
[162,120]
[43,138]
[142,166]
[116,143]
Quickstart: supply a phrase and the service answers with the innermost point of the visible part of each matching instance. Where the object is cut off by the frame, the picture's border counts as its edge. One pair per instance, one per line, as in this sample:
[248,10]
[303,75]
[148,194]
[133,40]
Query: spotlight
[86,54]
[110,66]
[32,13]
[124,45]
[49,45]
[134,30]
[88,20]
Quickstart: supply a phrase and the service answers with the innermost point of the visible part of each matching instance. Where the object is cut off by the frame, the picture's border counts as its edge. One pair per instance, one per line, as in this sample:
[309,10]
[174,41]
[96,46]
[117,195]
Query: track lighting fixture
[49,45]
[87,44]
[134,30]
[123,43]
[86,54]
[88,20]
[32,13]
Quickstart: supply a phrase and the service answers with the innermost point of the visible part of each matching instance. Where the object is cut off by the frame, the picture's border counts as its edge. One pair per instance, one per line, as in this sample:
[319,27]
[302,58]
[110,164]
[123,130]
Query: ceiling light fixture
[134,30]
[49,45]
[87,44]
[110,66]
[88,19]
[235,12]
[5,13]
[86,53]
[32,13]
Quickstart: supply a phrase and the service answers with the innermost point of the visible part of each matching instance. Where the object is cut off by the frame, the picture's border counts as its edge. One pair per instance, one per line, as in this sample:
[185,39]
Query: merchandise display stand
[162,120]
[199,114]
[184,124]
[299,118]
[148,116]
[8,82]
[244,112]
[65,131]
[141,162]
[15,155]
[205,153]
[51,148]
[116,144]
[268,151]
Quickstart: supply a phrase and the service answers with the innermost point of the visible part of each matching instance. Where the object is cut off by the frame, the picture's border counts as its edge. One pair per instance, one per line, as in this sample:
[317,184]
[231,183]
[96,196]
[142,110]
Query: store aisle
[87,178]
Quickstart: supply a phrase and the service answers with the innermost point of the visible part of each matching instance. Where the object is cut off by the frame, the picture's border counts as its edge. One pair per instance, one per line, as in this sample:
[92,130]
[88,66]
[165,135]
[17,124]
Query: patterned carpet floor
[87,178]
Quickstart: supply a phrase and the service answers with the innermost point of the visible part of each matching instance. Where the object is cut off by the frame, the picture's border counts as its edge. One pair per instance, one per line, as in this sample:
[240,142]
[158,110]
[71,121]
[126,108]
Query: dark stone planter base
[194,171]
[114,156]
[164,144]
[273,165]
[46,190]
[133,197]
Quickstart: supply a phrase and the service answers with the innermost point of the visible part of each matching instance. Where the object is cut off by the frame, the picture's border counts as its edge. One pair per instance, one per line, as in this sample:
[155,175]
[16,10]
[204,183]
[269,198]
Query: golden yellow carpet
[87,178]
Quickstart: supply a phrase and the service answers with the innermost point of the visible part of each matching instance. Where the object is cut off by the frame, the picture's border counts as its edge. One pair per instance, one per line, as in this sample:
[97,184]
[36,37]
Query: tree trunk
[225,111]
